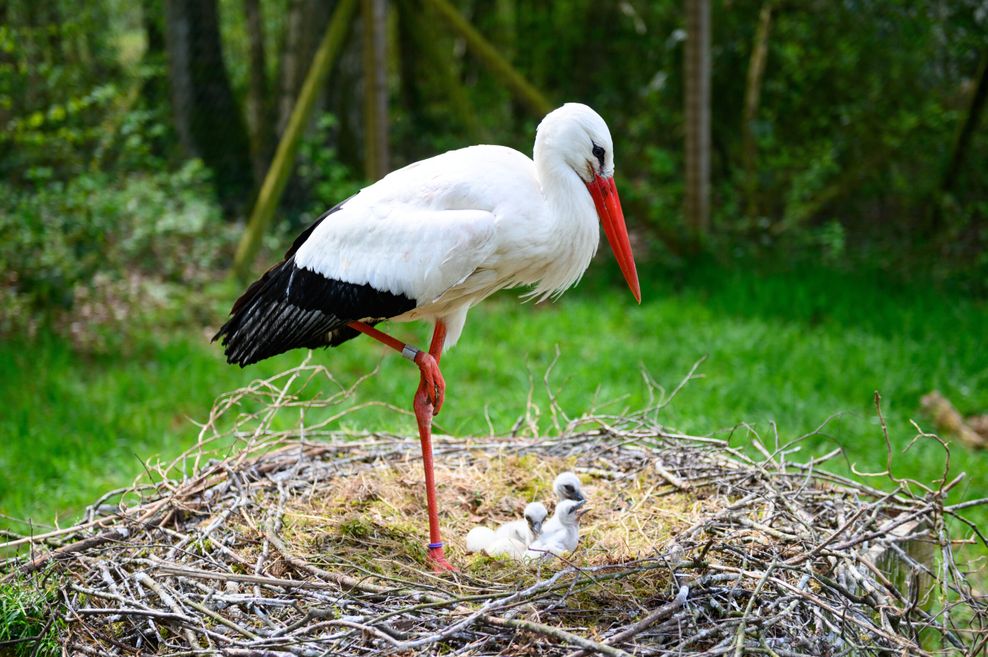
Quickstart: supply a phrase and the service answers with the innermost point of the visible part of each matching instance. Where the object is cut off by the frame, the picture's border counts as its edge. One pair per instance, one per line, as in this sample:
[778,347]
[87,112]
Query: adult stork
[429,241]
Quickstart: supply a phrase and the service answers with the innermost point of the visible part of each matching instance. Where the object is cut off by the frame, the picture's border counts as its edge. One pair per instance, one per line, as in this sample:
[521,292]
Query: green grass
[786,347]
[27,627]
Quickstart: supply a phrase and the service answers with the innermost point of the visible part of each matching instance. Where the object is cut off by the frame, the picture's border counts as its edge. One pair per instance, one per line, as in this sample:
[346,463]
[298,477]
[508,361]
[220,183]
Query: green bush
[63,239]
[320,171]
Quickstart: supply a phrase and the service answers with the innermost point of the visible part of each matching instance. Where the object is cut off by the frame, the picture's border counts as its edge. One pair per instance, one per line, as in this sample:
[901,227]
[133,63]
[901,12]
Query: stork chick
[562,532]
[567,487]
[511,538]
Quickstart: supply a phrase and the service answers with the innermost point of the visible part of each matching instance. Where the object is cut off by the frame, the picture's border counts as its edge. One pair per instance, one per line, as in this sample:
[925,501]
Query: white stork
[429,241]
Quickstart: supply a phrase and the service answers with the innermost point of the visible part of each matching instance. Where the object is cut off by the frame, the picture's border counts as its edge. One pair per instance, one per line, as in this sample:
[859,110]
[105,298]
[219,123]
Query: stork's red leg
[431,389]
[428,400]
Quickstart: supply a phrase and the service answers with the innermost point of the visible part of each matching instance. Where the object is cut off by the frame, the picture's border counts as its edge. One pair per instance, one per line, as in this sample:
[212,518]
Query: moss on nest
[377,519]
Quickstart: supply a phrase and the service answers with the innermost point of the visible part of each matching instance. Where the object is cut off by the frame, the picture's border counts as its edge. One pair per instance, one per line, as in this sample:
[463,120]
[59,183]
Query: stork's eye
[598,152]
[568,488]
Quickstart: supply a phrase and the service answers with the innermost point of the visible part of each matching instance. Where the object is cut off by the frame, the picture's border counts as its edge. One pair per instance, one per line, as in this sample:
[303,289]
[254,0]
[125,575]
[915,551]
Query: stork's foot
[437,560]
[432,386]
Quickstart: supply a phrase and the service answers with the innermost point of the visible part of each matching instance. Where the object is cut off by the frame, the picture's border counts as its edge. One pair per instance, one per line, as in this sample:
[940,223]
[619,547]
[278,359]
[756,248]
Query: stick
[662,613]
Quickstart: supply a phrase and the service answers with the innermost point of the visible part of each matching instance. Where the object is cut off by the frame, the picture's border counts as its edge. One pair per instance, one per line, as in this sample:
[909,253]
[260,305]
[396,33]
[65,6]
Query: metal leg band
[409,352]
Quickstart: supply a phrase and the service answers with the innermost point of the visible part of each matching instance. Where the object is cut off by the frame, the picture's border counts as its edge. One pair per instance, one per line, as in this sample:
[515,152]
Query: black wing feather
[290,307]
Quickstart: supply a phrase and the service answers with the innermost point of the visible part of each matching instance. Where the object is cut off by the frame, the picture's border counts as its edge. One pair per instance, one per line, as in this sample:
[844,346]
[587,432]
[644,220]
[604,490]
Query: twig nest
[290,546]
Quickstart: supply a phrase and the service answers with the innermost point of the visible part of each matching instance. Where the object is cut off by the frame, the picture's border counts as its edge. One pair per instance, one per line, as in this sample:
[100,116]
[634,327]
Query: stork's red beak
[605,198]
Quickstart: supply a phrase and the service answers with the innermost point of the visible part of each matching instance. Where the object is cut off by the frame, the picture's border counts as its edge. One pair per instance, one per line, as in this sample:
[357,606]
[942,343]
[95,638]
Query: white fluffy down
[479,538]
[483,539]
[511,538]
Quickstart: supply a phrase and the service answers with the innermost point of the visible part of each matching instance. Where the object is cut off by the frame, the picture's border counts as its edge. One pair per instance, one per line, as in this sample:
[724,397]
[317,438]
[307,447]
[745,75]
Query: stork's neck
[571,220]
[565,191]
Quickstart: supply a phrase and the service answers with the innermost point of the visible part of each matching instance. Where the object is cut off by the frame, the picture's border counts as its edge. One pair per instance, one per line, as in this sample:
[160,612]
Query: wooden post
[697,110]
[284,157]
[375,64]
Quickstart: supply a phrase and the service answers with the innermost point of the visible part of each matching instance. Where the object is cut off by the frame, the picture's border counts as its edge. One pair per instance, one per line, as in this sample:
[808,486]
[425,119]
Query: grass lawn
[790,348]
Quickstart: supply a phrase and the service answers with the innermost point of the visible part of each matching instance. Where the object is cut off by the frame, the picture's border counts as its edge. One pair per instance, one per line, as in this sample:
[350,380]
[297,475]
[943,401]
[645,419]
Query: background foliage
[858,118]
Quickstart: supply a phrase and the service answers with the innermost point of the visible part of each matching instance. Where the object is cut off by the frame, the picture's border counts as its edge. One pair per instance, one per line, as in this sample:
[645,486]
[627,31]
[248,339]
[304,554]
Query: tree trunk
[958,153]
[375,65]
[152,18]
[338,97]
[33,55]
[412,64]
[260,118]
[752,98]
[214,121]
[53,27]
[968,128]
[305,25]
[697,110]
[7,61]
[533,49]
[179,73]
[154,88]
[291,61]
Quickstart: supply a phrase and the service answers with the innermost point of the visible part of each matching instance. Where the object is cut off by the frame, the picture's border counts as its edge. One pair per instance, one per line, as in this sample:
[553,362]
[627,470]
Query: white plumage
[480,537]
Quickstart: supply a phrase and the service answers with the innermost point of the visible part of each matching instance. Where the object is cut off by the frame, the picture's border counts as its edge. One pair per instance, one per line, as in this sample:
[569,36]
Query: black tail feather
[290,308]
[265,322]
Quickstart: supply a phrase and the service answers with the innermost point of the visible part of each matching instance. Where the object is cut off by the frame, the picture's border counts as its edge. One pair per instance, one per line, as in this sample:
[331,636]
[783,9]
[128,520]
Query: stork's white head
[567,487]
[535,515]
[568,512]
[576,135]
[575,138]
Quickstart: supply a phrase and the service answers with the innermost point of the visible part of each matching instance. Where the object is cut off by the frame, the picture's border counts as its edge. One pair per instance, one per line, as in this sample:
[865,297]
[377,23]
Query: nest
[275,536]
